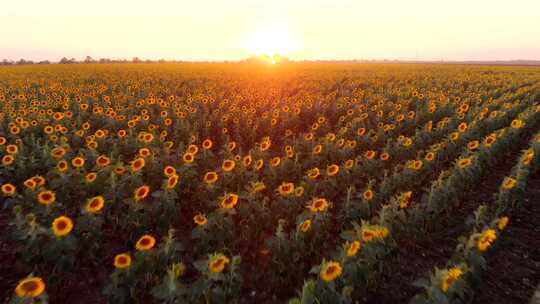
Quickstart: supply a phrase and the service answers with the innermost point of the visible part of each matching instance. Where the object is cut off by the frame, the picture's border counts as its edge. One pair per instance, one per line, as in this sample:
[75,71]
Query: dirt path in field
[514,268]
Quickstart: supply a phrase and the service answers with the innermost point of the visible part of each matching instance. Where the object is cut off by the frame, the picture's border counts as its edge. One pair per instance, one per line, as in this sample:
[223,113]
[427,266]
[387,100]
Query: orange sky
[303,29]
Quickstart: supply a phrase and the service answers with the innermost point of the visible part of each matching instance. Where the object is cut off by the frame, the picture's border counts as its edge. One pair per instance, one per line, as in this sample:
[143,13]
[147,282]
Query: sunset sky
[302,29]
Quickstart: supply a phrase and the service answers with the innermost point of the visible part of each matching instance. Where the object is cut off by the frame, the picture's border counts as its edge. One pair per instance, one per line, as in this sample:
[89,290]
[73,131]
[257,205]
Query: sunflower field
[243,183]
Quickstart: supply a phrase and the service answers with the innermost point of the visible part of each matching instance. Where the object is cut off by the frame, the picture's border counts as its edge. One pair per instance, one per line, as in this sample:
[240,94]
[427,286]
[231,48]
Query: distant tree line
[87,60]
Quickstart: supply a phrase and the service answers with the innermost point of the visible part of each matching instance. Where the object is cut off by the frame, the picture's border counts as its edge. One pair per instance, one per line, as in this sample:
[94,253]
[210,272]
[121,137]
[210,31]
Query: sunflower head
[122,260]
[141,192]
[8,189]
[200,219]
[217,263]
[95,204]
[145,243]
[46,197]
[330,271]
[62,226]
[229,201]
[30,287]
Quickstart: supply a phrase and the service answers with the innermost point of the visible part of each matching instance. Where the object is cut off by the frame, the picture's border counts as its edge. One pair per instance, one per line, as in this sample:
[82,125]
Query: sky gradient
[303,29]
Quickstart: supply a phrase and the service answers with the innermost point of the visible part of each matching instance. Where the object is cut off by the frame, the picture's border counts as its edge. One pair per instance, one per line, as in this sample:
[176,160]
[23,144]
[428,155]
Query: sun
[271,41]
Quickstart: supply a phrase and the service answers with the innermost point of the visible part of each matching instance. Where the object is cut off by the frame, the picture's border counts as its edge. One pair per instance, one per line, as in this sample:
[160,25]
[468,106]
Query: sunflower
[259,164]
[490,139]
[188,158]
[145,242]
[46,197]
[473,145]
[192,149]
[229,201]
[464,162]
[145,152]
[349,163]
[285,188]
[462,127]
[318,205]
[305,225]
[40,180]
[385,156]
[58,152]
[274,162]
[486,239]
[210,177]
[370,154]
[416,165]
[265,145]
[172,181]
[95,204]
[120,170]
[231,146]
[77,162]
[169,171]
[200,219]
[430,156]
[405,199]
[30,184]
[141,192]
[62,226]
[207,144]
[90,177]
[122,260]
[62,166]
[298,191]
[317,149]
[7,160]
[503,221]
[137,164]
[368,195]
[509,183]
[247,160]
[314,173]
[12,149]
[449,277]
[30,287]
[8,189]
[217,263]
[330,271]
[454,136]
[352,248]
[332,170]
[517,124]
[228,165]
[103,161]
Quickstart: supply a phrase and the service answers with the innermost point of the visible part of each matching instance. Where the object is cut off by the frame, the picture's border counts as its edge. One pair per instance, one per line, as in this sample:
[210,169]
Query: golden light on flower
[217,263]
[62,226]
[122,261]
[330,271]
[30,287]
[145,243]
